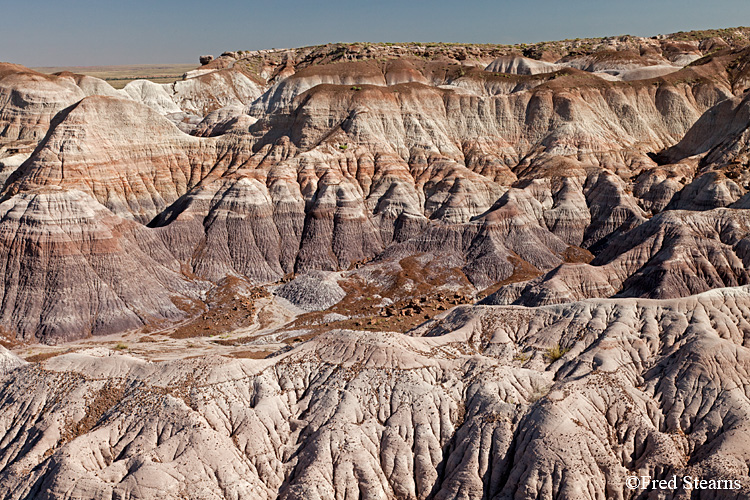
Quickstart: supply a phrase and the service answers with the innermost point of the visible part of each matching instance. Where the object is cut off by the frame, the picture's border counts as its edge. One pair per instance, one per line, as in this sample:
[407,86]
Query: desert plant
[343,147]
[521,357]
[121,346]
[554,353]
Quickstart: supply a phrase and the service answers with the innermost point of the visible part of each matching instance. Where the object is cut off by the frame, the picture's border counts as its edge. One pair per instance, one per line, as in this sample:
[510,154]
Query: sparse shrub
[521,357]
[356,89]
[343,147]
[555,353]
[121,346]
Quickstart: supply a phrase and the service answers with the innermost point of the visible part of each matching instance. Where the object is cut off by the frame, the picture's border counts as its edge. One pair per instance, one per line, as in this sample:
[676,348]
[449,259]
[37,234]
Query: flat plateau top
[119,76]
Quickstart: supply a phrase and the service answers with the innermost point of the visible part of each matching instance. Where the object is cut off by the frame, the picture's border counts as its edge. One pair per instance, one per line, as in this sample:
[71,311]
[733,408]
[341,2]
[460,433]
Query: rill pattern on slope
[470,409]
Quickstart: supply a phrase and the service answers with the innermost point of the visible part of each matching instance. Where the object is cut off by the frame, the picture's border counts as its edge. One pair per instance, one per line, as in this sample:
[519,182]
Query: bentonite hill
[381,271]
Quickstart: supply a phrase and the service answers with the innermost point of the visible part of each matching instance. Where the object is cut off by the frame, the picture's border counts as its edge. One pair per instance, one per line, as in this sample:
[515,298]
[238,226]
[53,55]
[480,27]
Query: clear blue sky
[87,32]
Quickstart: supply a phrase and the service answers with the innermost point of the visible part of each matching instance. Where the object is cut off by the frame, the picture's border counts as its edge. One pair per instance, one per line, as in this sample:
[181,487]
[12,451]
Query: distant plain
[119,76]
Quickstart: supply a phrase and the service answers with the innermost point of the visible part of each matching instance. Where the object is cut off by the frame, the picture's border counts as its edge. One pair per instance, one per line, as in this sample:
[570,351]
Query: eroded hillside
[401,271]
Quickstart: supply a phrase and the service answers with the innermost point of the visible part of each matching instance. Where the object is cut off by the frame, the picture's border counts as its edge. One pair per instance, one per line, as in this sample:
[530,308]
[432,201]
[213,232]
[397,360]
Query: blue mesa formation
[381,271]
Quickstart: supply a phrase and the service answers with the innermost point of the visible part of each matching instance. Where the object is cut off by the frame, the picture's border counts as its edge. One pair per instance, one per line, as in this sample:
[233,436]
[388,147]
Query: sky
[86,33]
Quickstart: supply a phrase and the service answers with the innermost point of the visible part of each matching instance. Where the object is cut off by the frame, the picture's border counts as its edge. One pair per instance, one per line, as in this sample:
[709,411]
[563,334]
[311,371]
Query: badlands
[381,271]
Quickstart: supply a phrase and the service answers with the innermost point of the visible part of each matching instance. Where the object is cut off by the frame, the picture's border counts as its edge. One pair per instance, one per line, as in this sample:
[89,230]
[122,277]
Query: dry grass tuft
[555,353]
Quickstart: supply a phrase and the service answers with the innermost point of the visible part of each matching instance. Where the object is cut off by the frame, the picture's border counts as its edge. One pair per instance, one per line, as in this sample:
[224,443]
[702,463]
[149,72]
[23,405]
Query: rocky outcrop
[612,66]
[598,207]
[674,254]
[153,95]
[9,361]
[91,85]
[484,402]
[338,164]
[210,91]
[100,146]
[85,271]
[315,291]
[521,66]
[29,100]
[678,49]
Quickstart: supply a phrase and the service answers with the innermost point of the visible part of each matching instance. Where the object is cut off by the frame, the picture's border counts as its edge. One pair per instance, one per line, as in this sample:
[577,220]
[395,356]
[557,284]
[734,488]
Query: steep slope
[84,270]
[521,66]
[220,267]
[674,254]
[202,92]
[128,157]
[29,100]
[475,407]
[347,162]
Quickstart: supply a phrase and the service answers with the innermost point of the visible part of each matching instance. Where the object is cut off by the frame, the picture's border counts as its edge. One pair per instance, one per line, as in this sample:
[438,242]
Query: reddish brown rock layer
[346,163]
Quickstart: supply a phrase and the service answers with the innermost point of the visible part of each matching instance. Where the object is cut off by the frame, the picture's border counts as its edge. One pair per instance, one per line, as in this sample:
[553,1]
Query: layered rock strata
[347,162]
[561,401]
